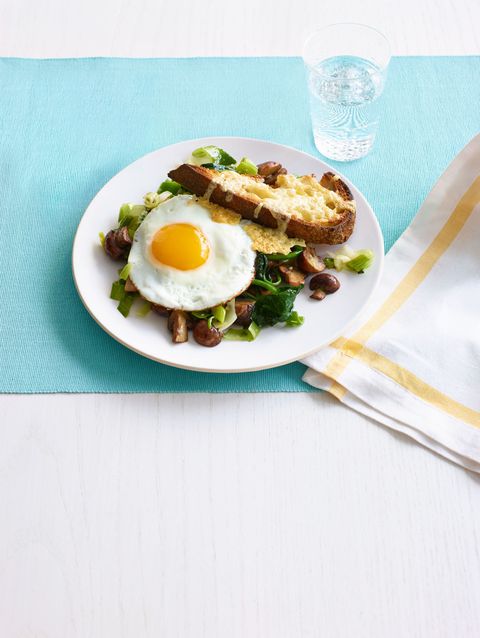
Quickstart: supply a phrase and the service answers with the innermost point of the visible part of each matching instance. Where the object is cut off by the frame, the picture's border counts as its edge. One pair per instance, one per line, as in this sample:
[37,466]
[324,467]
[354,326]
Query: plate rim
[211,370]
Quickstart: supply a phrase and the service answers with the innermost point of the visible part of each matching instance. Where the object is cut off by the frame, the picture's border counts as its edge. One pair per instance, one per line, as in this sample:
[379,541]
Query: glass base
[344,150]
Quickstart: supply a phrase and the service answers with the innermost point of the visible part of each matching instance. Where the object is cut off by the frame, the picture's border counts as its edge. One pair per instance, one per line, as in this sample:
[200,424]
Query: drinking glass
[346,67]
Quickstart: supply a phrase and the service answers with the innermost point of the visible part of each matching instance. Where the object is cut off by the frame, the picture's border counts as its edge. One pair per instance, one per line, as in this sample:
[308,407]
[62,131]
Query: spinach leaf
[275,308]
[261,266]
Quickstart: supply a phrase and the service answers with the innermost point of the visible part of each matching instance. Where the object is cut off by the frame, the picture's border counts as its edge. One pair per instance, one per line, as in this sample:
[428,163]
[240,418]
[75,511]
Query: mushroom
[244,309]
[130,286]
[292,276]
[206,336]
[177,324]
[326,282]
[309,262]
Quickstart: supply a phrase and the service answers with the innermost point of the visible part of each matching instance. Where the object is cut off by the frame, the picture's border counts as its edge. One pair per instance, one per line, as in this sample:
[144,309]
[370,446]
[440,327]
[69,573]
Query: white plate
[94,272]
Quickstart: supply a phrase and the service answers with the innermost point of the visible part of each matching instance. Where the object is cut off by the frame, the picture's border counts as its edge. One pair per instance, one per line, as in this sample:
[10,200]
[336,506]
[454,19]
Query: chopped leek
[126,303]
[102,239]
[242,334]
[131,215]
[229,318]
[361,262]
[151,200]
[253,330]
[144,309]
[246,167]
[347,258]
[219,313]
[211,155]
[128,211]
[169,186]
[118,290]
[123,275]
[125,299]
[294,319]
[124,213]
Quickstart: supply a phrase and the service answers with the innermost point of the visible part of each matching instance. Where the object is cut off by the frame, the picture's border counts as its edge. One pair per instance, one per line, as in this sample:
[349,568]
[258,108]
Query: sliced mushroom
[191,321]
[309,262]
[130,286]
[270,171]
[177,324]
[268,168]
[160,310]
[318,294]
[206,336]
[292,276]
[326,282]
[117,243]
[244,309]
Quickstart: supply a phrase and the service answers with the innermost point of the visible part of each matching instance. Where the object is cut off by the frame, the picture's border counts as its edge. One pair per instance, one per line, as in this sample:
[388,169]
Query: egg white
[227,272]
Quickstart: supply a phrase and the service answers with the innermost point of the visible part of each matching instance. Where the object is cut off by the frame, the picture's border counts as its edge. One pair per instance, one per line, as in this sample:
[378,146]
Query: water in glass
[343,94]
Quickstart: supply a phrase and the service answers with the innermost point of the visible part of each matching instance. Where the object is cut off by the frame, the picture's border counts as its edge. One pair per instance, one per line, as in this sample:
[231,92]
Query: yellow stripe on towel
[406,379]
[415,276]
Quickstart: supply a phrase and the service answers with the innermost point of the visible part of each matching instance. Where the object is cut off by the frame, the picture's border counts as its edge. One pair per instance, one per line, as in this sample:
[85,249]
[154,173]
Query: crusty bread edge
[198,179]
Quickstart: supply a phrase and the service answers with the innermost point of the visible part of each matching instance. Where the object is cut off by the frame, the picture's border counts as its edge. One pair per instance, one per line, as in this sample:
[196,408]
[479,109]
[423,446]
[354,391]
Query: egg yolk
[180,246]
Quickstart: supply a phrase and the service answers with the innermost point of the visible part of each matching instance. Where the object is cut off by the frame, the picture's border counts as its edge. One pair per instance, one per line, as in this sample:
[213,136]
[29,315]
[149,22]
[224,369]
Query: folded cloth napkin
[413,361]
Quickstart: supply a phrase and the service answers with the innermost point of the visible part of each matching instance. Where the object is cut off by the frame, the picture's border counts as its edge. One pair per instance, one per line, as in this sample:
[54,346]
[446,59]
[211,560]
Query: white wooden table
[230,516]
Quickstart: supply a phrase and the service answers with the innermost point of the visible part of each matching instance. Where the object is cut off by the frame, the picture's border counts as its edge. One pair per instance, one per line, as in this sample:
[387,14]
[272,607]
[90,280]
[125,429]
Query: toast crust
[200,181]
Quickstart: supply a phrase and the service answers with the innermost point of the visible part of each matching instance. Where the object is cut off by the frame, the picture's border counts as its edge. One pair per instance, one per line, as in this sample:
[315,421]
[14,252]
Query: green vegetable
[125,272]
[212,154]
[102,239]
[296,250]
[126,303]
[144,309]
[201,314]
[124,213]
[361,262]
[125,299]
[294,319]
[170,186]
[254,330]
[264,284]
[128,211]
[229,319]
[276,308]
[210,322]
[134,224]
[118,290]
[243,334]
[263,274]
[132,215]
[246,167]
[219,313]
[346,258]
[151,200]
[261,266]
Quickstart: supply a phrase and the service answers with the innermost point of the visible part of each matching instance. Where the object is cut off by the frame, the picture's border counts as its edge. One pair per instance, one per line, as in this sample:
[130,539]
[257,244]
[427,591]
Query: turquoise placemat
[67,126]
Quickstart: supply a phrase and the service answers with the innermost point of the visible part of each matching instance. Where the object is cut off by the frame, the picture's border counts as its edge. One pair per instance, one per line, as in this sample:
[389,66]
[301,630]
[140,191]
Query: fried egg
[181,258]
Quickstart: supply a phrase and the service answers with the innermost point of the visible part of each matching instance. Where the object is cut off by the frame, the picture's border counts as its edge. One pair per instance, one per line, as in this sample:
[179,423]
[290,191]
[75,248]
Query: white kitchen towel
[413,361]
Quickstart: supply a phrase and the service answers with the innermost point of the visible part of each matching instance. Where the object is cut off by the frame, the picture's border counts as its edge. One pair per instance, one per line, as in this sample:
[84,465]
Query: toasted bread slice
[319,212]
